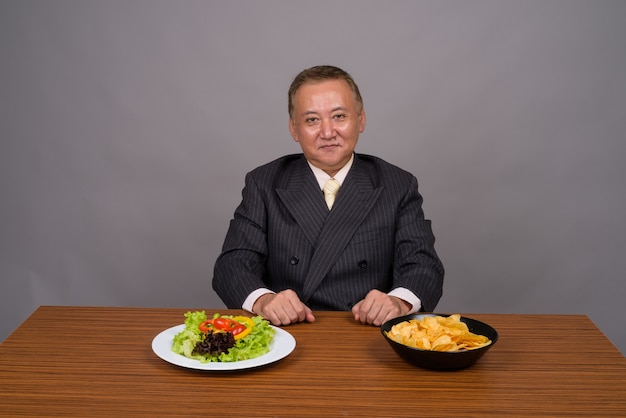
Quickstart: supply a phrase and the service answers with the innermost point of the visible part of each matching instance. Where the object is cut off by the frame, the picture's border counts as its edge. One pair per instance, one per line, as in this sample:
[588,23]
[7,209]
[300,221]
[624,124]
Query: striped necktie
[331,187]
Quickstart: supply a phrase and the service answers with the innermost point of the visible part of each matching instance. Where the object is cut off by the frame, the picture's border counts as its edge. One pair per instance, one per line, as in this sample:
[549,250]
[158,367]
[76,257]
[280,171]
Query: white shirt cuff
[407,296]
[252,297]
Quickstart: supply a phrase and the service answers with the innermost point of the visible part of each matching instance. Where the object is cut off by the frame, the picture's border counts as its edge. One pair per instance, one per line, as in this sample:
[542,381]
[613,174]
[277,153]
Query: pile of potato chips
[437,333]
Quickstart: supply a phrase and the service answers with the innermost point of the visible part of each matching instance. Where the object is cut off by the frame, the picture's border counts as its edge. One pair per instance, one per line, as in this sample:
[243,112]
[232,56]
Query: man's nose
[327,129]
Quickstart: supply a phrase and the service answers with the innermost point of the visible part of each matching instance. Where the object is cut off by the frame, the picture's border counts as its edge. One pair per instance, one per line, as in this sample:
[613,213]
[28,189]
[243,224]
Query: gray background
[126,129]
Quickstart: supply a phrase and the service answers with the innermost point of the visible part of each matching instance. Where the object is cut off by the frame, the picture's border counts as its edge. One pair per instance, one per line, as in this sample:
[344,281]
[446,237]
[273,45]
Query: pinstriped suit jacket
[284,237]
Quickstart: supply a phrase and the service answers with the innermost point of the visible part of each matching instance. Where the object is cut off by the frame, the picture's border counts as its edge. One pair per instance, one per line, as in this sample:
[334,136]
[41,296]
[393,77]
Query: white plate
[281,346]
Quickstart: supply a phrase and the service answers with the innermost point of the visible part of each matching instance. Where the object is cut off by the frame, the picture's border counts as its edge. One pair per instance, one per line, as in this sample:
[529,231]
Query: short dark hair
[320,73]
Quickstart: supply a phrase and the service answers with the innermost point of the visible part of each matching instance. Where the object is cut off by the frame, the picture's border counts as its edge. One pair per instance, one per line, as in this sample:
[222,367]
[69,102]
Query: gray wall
[126,129]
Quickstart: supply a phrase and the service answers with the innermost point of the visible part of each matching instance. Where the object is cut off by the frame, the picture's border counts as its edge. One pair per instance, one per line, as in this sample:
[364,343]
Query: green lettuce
[251,346]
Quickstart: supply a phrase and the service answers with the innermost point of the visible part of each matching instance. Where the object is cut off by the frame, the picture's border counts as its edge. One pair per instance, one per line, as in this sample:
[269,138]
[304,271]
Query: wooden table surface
[91,361]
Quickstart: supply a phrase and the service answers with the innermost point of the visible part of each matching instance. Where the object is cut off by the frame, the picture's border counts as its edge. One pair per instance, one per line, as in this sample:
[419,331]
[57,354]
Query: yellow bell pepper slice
[245,321]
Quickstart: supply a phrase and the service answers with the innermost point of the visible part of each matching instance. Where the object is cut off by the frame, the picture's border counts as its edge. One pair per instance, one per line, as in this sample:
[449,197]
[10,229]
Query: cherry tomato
[224,324]
[237,329]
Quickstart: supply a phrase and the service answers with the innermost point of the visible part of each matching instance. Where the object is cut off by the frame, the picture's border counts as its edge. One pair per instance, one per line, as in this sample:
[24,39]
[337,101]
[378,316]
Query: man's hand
[379,307]
[282,308]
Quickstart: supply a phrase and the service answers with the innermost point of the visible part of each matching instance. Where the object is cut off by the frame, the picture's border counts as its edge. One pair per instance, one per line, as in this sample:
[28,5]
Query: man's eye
[311,120]
[339,116]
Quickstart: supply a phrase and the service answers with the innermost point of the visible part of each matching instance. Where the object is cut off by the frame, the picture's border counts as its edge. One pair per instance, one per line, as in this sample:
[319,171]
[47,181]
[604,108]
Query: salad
[223,338]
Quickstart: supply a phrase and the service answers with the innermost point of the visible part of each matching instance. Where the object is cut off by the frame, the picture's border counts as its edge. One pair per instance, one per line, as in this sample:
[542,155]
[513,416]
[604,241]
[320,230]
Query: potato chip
[437,333]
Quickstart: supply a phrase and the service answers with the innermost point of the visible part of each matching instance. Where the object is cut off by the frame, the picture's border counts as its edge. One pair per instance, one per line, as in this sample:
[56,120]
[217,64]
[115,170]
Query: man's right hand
[282,308]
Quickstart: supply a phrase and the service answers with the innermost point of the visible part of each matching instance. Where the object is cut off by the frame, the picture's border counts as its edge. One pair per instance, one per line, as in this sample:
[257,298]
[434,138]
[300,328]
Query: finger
[371,306]
[356,311]
[309,314]
[374,313]
[298,311]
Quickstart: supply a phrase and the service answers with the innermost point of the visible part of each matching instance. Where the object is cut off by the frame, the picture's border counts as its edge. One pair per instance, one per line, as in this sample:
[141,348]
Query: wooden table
[89,361]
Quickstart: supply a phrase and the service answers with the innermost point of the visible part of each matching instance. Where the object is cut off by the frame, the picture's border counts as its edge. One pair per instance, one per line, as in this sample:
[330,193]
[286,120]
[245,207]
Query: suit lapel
[303,198]
[354,202]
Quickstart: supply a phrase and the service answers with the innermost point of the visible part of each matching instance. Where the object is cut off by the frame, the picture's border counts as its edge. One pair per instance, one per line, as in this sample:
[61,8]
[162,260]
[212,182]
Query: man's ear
[362,120]
[292,130]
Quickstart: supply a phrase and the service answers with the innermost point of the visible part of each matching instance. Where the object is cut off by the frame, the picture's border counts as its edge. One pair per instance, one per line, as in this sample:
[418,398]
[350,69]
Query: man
[287,252]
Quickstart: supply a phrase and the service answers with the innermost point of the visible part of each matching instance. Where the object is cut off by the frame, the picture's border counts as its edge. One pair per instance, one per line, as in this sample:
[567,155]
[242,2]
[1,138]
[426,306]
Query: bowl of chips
[439,341]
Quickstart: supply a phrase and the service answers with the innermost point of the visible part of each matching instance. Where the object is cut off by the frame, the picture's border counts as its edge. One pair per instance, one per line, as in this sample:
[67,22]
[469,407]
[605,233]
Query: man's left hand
[379,307]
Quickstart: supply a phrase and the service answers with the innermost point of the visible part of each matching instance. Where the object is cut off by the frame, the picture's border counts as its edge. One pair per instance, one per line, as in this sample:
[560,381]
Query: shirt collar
[322,176]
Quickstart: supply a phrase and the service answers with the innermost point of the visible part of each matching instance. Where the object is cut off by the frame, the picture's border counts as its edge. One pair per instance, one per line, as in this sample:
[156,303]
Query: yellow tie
[331,187]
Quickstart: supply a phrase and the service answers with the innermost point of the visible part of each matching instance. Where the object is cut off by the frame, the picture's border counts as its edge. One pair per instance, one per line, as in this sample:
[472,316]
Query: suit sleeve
[416,264]
[240,267]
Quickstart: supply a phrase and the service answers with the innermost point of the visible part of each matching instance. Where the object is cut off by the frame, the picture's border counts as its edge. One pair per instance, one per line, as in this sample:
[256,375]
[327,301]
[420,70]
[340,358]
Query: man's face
[326,122]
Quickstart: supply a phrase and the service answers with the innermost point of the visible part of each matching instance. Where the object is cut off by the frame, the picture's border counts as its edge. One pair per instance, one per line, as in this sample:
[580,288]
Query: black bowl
[439,360]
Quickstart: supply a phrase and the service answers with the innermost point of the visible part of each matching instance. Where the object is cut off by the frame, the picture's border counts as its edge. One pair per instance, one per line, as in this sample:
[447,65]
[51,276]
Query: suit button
[363,264]
[294,260]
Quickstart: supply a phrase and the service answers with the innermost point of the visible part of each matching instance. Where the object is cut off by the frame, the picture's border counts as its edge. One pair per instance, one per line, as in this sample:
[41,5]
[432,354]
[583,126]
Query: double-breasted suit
[284,237]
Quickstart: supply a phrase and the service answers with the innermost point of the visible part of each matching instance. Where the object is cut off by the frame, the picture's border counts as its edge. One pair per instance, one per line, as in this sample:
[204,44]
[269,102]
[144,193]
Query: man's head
[326,116]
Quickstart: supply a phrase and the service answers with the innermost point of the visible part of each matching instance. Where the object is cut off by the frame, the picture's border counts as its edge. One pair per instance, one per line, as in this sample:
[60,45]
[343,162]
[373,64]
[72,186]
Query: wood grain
[97,361]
